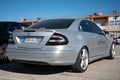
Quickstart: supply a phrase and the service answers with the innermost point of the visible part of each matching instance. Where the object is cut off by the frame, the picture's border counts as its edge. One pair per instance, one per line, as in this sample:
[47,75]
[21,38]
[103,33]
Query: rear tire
[81,64]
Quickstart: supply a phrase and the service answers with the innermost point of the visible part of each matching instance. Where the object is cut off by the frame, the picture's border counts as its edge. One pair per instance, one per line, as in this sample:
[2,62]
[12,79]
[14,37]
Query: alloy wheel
[84,59]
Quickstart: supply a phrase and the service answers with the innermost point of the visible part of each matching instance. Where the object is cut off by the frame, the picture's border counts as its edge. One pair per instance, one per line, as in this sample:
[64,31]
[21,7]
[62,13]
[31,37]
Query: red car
[114,40]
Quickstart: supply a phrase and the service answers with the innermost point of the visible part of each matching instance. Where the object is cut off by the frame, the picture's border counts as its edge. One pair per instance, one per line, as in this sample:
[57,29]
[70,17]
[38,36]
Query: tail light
[57,39]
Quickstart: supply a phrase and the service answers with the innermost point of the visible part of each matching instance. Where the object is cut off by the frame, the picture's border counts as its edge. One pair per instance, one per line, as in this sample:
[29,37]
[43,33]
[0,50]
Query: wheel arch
[86,48]
[81,48]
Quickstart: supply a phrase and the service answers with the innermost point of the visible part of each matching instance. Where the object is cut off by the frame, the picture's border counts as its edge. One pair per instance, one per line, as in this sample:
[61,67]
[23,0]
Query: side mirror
[105,32]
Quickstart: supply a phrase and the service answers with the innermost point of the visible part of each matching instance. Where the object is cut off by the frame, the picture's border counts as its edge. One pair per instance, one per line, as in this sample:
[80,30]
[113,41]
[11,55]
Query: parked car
[6,29]
[71,42]
[118,40]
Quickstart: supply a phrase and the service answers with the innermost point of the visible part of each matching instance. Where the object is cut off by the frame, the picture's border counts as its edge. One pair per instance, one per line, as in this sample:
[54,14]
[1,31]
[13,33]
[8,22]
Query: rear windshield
[53,24]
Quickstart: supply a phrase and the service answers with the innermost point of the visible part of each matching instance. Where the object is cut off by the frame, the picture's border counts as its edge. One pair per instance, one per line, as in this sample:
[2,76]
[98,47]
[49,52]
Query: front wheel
[81,64]
[112,51]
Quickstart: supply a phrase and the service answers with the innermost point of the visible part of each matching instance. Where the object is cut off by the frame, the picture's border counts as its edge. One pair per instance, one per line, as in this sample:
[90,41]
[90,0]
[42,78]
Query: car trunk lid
[32,38]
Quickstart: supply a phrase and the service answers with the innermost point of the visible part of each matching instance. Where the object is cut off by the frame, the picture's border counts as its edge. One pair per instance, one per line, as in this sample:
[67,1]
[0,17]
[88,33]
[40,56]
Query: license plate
[30,40]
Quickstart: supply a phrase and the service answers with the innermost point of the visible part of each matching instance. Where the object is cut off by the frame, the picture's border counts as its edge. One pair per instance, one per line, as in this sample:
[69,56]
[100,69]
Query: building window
[115,23]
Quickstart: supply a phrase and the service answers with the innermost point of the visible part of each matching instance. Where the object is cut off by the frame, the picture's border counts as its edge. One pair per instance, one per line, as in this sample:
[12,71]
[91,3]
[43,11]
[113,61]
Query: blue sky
[15,10]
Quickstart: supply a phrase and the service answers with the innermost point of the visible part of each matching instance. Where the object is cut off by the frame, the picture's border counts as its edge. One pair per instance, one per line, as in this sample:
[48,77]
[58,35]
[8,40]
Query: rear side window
[53,24]
[86,26]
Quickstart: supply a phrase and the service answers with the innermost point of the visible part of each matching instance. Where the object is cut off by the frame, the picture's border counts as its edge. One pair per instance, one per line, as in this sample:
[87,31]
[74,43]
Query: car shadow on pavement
[38,70]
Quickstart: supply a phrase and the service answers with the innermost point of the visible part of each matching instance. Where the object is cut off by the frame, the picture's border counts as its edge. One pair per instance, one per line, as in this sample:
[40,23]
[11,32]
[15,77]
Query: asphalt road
[104,69]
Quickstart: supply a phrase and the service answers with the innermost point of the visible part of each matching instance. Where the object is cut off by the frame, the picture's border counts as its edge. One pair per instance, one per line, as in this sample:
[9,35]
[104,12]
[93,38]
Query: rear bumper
[49,56]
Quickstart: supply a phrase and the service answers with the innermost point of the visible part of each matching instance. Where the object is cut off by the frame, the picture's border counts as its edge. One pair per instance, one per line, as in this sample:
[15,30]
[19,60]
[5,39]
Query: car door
[101,40]
[98,45]
[91,39]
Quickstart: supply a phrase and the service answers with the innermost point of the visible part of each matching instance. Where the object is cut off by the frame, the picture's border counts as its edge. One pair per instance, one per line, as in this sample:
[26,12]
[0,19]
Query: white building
[110,23]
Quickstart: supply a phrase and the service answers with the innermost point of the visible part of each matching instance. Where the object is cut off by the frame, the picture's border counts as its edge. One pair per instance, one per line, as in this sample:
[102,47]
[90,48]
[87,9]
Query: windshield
[53,24]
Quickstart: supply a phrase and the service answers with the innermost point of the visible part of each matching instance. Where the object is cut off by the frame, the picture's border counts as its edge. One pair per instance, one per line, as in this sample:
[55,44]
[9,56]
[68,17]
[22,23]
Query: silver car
[67,42]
